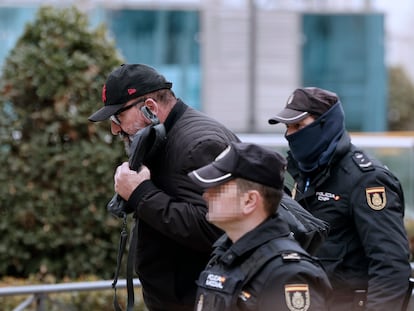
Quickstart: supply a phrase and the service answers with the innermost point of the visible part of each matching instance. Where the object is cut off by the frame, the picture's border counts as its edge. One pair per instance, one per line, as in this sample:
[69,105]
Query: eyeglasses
[114,118]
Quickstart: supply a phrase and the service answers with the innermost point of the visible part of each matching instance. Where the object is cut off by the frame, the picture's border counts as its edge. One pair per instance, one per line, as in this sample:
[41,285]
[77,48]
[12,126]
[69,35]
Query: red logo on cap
[104,93]
[132,91]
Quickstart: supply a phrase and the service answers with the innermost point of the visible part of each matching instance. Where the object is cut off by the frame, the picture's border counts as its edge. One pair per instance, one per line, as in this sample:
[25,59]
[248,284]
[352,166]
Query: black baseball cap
[303,102]
[243,160]
[127,82]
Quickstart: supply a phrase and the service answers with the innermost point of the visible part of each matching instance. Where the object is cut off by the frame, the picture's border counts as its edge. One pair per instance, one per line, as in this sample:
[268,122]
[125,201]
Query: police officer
[366,254]
[256,264]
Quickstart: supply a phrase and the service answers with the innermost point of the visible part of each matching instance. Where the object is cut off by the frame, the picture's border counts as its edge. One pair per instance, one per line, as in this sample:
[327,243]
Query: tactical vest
[221,286]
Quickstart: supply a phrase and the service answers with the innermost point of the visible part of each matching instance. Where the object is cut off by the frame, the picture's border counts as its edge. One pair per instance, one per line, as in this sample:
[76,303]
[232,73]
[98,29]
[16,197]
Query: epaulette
[291,256]
[362,161]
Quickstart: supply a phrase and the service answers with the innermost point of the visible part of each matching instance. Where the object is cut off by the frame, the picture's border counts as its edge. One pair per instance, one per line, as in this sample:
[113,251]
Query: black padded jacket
[174,238]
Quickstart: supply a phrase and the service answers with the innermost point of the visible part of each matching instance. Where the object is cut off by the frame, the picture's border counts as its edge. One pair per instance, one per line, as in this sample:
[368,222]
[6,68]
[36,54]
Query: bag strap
[130,264]
[130,267]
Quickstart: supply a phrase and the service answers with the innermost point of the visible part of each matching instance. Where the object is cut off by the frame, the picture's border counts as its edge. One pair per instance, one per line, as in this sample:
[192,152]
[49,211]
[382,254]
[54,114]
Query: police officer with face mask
[366,254]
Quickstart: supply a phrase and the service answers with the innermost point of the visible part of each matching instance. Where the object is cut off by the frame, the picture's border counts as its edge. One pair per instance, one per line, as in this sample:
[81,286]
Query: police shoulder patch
[376,198]
[297,297]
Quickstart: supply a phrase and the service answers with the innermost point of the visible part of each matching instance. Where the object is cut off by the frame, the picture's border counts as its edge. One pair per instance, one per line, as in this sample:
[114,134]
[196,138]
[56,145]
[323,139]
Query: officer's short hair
[271,196]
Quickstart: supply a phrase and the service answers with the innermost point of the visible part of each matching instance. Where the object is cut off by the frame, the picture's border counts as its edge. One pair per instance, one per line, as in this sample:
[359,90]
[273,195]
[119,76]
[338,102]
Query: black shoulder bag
[307,229]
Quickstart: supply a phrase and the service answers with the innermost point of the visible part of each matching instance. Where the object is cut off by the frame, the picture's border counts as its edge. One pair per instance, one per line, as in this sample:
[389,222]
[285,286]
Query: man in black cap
[174,238]
[366,254]
[256,264]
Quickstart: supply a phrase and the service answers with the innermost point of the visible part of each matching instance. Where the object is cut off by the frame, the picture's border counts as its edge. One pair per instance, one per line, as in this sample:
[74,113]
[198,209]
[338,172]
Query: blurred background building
[239,60]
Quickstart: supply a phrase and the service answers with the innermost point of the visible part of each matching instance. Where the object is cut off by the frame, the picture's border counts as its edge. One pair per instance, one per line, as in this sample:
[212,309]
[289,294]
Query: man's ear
[251,200]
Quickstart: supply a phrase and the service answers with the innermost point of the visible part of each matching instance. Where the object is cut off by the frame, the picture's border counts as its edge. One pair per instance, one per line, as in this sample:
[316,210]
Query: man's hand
[126,180]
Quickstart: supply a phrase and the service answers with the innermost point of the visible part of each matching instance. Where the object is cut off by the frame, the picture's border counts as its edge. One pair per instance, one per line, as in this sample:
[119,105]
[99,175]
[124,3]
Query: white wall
[399,20]
[244,87]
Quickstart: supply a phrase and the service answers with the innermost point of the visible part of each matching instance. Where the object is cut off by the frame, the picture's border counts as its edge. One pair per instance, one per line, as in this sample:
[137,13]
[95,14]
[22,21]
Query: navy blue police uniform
[266,269]
[366,254]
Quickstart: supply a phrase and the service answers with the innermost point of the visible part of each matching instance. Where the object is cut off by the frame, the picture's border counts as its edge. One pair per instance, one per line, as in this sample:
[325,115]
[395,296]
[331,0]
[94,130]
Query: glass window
[165,39]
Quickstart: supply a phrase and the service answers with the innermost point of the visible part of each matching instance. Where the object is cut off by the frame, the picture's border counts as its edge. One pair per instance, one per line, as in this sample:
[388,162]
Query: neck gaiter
[313,146]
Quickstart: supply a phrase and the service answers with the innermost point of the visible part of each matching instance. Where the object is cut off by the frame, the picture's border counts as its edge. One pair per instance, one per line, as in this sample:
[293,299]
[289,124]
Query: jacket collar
[176,112]
[322,174]
[272,228]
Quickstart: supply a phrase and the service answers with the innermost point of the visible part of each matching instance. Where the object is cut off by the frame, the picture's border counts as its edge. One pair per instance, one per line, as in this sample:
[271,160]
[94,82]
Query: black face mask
[313,146]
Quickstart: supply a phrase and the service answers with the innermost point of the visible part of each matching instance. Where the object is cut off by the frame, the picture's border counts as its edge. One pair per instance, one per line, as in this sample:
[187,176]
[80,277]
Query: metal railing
[40,292]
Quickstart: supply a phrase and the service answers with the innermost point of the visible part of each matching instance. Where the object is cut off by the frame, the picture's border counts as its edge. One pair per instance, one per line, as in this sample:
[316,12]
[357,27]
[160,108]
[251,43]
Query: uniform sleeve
[378,211]
[295,286]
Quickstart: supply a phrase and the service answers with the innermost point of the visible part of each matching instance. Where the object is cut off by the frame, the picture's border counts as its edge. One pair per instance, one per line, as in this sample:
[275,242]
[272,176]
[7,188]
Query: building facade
[239,60]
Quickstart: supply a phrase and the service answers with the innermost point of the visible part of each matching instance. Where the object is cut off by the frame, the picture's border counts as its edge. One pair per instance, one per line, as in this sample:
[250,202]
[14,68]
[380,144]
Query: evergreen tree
[57,168]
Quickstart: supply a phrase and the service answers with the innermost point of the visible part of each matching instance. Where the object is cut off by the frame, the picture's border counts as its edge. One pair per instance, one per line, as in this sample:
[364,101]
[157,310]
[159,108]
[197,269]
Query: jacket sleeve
[295,287]
[174,206]
[378,212]
[182,221]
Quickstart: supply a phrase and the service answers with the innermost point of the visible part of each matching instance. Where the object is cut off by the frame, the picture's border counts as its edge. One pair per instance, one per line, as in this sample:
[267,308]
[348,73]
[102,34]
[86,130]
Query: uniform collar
[271,228]
[320,176]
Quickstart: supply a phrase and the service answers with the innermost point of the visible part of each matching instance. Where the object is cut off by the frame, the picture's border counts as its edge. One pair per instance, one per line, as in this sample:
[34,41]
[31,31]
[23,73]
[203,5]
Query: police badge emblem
[297,297]
[376,198]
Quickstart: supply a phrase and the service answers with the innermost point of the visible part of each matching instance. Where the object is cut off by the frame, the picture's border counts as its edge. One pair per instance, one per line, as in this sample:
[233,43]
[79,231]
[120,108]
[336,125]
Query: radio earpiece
[149,115]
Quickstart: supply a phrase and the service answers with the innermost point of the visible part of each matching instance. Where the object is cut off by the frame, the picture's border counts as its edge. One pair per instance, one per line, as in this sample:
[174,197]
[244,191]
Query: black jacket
[174,237]
[367,247]
[264,270]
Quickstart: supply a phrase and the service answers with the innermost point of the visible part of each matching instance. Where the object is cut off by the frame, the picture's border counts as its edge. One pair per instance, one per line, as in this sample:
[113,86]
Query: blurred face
[294,127]
[224,203]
